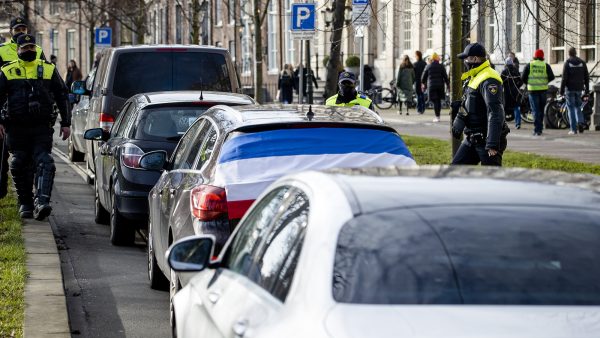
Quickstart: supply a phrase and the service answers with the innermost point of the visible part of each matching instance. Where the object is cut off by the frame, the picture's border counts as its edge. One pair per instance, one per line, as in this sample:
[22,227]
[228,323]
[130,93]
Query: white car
[446,252]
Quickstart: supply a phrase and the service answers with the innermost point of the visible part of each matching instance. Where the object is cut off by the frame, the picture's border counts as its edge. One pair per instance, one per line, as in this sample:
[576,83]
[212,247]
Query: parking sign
[304,21]
[103,37]
[361,13]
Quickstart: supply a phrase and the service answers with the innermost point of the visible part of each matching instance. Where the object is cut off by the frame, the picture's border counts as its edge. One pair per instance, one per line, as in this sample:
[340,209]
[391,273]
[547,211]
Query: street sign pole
[303,28]
[360,34]
[361,17]
[301,74]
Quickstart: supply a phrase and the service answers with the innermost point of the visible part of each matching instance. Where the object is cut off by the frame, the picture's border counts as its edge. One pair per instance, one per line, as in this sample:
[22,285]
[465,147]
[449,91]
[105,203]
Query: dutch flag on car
[249,162]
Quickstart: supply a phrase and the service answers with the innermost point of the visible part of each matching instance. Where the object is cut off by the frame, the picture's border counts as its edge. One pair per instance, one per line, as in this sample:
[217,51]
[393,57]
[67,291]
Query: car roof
[182,97]
[124,49]
[258,115]
[373,189]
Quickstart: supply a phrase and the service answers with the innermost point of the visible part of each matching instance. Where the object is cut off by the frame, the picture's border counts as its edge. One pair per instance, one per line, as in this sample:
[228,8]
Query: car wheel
[121,233]
[175,286]
[88,179]
[74,155]
[101,215]
[158,281]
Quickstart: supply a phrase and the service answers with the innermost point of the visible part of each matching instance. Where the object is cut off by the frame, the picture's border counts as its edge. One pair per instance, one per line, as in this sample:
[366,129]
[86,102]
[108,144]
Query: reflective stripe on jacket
[360,100]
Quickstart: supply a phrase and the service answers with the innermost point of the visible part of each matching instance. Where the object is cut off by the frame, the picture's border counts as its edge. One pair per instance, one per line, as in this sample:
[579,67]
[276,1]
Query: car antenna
[310,113]
[201,87]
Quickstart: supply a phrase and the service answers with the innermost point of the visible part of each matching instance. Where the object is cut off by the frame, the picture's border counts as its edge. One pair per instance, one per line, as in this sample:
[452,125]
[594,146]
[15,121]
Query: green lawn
[432,151]
[12,269]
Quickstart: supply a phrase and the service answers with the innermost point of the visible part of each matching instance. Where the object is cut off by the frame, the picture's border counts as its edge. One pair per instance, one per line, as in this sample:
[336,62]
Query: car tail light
[106,121]
[130,155]
[208,203]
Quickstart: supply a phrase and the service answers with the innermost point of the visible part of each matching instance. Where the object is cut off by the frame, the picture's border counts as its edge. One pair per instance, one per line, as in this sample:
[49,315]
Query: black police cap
[16,22]
[472,49]
[26,39]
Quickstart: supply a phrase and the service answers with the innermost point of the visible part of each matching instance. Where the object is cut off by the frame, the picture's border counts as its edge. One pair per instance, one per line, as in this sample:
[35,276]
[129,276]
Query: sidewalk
[554,142]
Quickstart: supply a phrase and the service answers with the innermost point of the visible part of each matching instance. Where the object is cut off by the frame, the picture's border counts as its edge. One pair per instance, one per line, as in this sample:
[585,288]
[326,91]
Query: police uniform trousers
[31,148]
[4,173]
[471,154]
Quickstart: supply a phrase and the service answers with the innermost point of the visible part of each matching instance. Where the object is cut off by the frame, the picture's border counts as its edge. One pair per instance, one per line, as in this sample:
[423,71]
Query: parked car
[79,113]
[126,71]
[151,121]
[450,252]
[231,154]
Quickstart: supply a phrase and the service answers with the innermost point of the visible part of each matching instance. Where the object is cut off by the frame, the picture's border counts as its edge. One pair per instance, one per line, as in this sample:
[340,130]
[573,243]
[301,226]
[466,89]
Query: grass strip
[432,151]
[13,271]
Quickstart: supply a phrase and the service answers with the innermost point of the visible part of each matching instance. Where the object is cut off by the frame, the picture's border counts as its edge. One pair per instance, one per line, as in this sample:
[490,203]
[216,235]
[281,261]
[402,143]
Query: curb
[45,302]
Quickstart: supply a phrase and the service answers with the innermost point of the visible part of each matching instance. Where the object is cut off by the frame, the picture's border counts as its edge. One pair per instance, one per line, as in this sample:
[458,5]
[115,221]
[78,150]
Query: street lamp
[327,16]
[347,15]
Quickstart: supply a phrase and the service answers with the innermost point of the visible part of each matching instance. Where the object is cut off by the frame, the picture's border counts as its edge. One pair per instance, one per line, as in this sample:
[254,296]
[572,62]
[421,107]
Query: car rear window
[143,72]
[470,255]
[166,123]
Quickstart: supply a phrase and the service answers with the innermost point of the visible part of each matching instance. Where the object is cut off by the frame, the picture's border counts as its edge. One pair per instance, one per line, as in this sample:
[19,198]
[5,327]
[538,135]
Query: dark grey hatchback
[148,122]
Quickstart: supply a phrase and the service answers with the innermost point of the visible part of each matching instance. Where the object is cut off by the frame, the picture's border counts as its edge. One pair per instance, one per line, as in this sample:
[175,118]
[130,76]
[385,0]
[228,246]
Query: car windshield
[143,72]
[166,123]
[470,255]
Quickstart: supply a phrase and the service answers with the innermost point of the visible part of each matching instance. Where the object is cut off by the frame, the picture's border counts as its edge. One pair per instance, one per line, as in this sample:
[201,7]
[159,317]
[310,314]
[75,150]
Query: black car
[153,121]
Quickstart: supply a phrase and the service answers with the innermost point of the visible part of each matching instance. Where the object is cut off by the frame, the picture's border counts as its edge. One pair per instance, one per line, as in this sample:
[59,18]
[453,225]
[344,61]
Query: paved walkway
[556,143]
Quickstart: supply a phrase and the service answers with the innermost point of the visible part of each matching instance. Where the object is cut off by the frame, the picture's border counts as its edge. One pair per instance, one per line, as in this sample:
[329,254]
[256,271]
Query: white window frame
[71,45]
[407,26]
[272,51]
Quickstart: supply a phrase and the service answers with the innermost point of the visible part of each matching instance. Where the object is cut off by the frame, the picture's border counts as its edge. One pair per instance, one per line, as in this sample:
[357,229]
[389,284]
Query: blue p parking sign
[304,23]
[103,37]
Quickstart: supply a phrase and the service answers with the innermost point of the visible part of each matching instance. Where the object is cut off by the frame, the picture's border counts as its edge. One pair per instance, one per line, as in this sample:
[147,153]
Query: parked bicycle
[557,115]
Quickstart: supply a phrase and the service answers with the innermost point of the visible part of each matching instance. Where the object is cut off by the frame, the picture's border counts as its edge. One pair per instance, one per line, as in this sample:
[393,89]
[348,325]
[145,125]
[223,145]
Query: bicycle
[385,98]
[557,115]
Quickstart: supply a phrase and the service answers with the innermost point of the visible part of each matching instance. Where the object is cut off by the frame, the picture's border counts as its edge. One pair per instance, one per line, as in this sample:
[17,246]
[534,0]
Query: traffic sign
[303,25]
[361,13]
[103,37]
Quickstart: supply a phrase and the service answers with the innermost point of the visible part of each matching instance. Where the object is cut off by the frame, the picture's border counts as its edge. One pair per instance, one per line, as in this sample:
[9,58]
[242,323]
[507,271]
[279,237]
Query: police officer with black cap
[482,115]
[31,86]
[347,95]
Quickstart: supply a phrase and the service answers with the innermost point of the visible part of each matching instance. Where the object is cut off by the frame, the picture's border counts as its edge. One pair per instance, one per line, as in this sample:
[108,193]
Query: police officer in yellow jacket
[8,53]
[482,117]
[347,95]
[31,86]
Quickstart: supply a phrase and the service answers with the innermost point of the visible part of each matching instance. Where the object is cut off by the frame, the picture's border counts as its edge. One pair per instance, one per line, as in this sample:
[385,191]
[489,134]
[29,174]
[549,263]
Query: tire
[175,286]
[387,99]
[553,116]
[158,281]
[101,215]
[121,233]
[74,155]
[88,179]
[526,114]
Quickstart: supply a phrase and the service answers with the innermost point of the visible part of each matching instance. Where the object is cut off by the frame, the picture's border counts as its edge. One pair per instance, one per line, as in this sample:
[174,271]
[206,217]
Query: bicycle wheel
[563,121]
[552,115]
[387,99]
[526,114]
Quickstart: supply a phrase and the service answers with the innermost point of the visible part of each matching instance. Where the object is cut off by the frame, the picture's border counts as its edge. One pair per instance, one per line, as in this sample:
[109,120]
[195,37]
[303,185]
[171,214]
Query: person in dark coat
[304,80]
[286,85]
[419,68]
[405,83]
[575,80]
[511,82]
[369,77]
[73,74]
[435,79]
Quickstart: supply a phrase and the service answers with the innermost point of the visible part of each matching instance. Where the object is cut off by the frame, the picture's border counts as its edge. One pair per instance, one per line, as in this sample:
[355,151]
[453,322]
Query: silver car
[397,252]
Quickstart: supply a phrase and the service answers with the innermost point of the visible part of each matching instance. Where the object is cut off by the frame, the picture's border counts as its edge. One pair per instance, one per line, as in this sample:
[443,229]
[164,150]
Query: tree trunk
[196,22]
[456,36]
[258,55]
[336,41]
[92,38]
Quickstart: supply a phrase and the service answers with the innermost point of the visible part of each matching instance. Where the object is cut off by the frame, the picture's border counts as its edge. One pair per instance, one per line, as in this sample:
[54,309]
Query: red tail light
[106,121]
[130,155]
[208,203]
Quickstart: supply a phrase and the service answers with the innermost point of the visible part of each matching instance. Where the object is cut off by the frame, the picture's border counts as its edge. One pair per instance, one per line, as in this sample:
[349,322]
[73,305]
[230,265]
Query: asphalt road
[107,287]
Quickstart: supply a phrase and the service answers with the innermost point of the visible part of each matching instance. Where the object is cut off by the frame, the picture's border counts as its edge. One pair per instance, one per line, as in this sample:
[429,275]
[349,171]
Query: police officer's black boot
[26,211]
[43,182]
[23,179]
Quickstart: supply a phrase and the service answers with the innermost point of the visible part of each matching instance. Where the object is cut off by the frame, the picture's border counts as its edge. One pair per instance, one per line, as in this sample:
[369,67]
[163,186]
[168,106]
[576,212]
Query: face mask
[347,91]
[16,36]
[28,55]
[471,65]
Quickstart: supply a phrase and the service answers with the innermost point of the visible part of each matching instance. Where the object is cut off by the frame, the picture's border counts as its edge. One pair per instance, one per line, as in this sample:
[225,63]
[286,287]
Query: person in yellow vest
[30,87]
[482,117]
[536,75]
[8,53]
[347,95]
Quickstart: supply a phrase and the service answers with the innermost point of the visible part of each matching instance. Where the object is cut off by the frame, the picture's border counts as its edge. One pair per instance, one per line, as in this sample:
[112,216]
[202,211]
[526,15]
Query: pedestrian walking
[347,95]
[73,74]
[369,77]
[31,86]
[405,83]
[419,68]
[286,85]
[514,59]
[434,80]
[575,80]
[307,75]
[8,53]
[511,84]
[482,120]
[536,75]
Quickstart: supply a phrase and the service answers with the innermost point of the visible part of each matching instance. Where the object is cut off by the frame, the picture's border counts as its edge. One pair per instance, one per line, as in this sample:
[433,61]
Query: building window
[70,45]
[178,25]
[155,26]
[54,43]
[430,25]
[71,6]
[272,37]
[231,12]
[558,49]
[39,7]
[39,39]
[290,55]
[407,25]
[518,27]
[382,31]
[218,14]
[491,28]
[53,7]
[589,38]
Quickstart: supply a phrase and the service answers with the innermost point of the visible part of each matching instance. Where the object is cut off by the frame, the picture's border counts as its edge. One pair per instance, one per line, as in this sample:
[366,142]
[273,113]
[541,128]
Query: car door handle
[240,327]
[213,296]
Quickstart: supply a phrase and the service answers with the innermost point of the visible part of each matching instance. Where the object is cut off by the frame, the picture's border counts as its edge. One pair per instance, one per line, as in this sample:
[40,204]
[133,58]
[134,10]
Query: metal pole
[457,36]
[309,84]
[444,27]
[301,75]
[362,62]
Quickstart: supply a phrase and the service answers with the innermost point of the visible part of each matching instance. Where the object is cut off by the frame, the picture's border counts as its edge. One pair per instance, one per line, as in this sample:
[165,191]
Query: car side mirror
[96,134]
[191,254]
[154,160]
[78,88]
